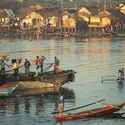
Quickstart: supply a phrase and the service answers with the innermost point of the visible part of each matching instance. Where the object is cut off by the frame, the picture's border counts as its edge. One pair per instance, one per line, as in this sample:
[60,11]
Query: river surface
[92,59]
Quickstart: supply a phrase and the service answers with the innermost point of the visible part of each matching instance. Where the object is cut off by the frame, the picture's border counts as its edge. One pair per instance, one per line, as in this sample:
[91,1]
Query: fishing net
[46,67]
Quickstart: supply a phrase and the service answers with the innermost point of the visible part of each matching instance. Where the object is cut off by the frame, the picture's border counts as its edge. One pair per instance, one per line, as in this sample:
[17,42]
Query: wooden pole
[80,106]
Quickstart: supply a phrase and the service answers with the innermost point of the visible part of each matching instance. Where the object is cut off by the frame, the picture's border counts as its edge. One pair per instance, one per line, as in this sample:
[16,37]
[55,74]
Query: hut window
[2,20]
[65,17]
[95,19]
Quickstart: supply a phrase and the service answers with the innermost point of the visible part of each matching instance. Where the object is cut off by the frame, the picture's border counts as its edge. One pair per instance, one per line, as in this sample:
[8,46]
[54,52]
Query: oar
[79,107]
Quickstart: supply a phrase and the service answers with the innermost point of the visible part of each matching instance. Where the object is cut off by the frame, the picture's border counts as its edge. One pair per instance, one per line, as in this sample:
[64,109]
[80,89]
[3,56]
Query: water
[92,60]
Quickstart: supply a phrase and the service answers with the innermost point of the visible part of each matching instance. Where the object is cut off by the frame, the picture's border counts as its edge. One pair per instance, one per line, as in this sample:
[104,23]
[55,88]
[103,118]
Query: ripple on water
[91,60]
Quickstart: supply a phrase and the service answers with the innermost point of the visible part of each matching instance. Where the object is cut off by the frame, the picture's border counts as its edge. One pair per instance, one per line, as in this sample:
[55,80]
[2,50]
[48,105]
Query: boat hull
[47,77]
[6,90]
[99,112]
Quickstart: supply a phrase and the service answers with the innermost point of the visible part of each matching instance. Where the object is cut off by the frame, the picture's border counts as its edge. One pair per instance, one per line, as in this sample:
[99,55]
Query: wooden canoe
[6,90]
[98,112]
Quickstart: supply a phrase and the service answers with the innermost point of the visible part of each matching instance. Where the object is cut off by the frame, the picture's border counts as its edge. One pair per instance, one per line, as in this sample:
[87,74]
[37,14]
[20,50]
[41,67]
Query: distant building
[14,0]
[122,8]
[99,23]
[29,17]
[117,19]
[6,15]
[50,16]
[68,18]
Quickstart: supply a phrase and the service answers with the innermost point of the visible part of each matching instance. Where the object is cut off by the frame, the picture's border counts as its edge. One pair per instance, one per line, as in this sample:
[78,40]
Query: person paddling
[119,77]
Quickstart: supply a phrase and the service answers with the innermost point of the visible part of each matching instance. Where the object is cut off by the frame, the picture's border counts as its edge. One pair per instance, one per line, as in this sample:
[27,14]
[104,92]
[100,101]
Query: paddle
[79,107]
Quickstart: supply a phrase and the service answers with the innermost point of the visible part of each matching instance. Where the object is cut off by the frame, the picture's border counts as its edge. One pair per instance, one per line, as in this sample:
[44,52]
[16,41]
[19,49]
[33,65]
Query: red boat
[6,86]
[98,112]
[7,89]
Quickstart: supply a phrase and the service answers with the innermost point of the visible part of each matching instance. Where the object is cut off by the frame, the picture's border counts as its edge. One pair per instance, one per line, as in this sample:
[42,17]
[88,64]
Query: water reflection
[39,105]
[27,105]
[121,88]
[16,106]
[91,60]
[36,105]
[3,106]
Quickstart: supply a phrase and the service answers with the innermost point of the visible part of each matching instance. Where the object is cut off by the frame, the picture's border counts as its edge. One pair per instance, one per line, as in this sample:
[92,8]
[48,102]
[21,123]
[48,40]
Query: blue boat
[6,90]
[117,35]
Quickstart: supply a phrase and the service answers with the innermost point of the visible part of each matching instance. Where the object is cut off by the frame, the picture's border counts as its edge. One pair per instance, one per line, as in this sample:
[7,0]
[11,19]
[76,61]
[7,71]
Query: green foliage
[10,5]
[5,4]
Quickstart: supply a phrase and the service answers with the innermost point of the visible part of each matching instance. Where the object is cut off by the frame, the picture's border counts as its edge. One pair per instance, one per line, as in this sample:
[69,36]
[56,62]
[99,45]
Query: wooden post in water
[54,87]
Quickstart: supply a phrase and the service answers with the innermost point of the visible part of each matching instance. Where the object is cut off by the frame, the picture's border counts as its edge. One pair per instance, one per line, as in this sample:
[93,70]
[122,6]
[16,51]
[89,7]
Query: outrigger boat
[6,90]
[93,113]
[112,79]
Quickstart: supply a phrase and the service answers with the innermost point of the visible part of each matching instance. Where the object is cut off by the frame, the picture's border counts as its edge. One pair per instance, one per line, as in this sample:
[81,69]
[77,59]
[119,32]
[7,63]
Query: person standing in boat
[36,65]
[19,60]
[15,68]
[27,66]
[2,75]
[2,72]
[56,63]
[3,64]
[122,71]
[61,104]
[119,78]
[119,75]
[41,60]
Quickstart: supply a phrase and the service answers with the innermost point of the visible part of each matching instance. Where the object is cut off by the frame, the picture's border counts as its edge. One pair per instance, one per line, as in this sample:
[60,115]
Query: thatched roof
[46,13]
[6,13]
[116,13]
[23,12]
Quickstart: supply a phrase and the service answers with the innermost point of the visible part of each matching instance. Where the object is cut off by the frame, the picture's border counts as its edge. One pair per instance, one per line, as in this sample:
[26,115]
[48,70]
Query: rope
[47,68]
[12,69]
